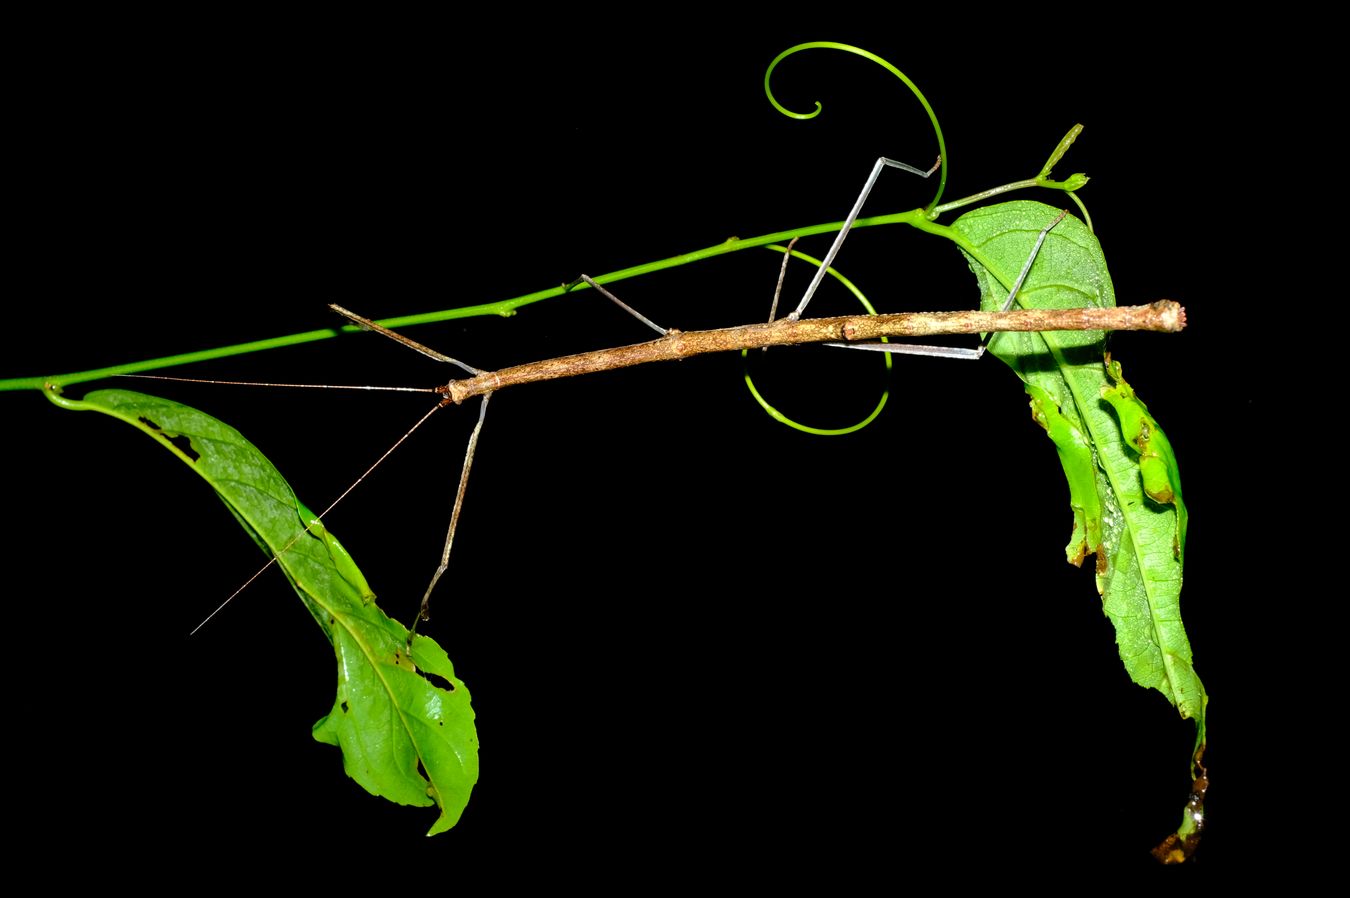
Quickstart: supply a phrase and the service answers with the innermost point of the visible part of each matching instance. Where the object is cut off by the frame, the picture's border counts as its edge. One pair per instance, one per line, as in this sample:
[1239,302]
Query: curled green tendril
[831,45]
[806,428]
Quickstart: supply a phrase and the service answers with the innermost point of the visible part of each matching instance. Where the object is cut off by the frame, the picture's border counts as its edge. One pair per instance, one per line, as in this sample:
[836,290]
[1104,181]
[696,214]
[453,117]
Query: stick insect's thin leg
[618,302]
[427,351]
[1026,266]
[782,276]
[778,288]
[423,612]
[848,224]
[956,352]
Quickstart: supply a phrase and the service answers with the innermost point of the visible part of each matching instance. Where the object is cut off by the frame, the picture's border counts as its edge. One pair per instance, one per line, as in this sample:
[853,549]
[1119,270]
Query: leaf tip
[1180,845]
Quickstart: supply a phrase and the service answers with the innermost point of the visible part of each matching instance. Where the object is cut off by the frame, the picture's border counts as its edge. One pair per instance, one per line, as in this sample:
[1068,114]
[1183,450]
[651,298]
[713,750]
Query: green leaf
[402,736]
[1105,437]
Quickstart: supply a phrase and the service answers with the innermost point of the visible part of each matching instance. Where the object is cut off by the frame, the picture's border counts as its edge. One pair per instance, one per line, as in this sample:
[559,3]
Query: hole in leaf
[438,680]
[344,707]
[184,445]
[178,441]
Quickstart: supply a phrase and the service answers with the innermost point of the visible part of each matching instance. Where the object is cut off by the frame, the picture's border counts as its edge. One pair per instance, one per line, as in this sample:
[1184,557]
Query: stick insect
[1042,226]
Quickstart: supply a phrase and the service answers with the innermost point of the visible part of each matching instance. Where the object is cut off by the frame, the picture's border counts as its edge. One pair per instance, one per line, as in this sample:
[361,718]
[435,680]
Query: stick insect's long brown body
[1164,315]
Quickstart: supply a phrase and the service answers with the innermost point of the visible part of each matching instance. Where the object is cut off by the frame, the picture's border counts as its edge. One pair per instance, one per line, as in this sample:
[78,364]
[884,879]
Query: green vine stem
[504,308]
[918,218]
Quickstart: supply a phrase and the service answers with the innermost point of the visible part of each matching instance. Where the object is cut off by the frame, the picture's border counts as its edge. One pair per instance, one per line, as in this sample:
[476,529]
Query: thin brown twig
[1165,316]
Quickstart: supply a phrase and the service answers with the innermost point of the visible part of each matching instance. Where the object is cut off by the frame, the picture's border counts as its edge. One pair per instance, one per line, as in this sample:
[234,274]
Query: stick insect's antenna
[317,518]
[957,352]
[881,163]
[263,383]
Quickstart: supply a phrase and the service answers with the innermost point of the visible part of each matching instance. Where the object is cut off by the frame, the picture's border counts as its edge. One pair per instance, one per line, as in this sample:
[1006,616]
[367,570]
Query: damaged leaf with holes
[1124,488]
[401,717]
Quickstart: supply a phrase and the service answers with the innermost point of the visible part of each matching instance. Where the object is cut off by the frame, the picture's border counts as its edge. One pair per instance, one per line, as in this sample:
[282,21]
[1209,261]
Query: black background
[696,639]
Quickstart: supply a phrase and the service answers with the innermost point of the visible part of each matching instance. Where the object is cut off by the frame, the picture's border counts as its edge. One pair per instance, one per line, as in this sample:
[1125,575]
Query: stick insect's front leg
[881,163]
[956,352]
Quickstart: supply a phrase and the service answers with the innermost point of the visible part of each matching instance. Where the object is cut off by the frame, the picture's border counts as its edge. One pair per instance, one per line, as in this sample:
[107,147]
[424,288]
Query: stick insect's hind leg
[590,282]
[956,352]
[881,163]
